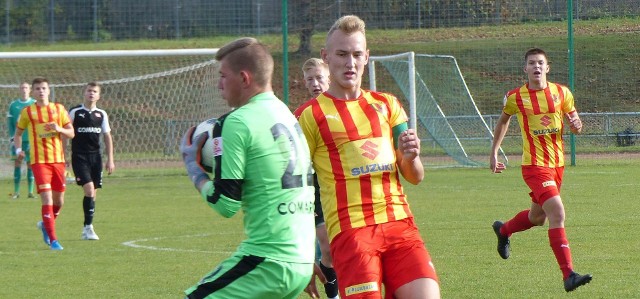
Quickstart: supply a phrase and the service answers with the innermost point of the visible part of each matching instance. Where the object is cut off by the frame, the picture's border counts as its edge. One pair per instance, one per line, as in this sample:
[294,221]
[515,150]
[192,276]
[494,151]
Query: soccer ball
[207,150]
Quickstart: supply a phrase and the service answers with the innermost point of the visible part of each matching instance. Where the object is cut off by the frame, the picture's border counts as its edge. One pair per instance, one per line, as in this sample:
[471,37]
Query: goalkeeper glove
[191,157]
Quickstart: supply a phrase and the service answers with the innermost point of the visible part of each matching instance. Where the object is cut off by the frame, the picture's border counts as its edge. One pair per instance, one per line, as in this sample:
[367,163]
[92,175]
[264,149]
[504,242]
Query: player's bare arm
[17,143]
[498,135]
[312,289]
[575,124]
[408,155]
[108,144]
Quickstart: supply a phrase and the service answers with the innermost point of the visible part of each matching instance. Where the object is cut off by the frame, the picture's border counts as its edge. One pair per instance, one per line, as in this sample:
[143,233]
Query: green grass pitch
[158,237]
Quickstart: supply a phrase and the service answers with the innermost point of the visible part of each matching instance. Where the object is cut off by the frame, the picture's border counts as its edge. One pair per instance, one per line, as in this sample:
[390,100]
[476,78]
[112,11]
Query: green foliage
[70,33]
[158,237]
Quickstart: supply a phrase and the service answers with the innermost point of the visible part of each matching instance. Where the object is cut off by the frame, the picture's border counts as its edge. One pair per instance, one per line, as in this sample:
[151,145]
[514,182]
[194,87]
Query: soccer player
[316,80]
[89,122]
[540,107]
[12,119]
[316,76]
[262,166]
[46,123]
[360,143]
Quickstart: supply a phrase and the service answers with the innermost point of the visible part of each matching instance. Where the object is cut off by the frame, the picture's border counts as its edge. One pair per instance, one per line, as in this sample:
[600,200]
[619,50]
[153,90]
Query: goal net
[151,96]
[441,108]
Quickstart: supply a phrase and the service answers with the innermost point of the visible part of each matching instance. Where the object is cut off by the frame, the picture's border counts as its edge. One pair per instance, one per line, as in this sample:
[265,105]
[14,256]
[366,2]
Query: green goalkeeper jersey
[13,114]
[262,166]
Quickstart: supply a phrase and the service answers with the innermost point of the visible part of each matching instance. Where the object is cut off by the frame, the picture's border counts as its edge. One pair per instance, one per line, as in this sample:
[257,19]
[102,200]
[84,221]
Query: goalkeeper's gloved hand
[191,157]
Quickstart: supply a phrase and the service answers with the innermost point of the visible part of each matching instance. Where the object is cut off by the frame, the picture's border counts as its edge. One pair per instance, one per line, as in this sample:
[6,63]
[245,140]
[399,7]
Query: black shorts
[317,205]
[87,168]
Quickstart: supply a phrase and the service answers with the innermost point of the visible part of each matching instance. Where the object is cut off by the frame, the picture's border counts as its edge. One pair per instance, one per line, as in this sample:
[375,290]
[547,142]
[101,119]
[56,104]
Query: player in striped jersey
[540,107]
[316,79]
[360,143]
[46,124]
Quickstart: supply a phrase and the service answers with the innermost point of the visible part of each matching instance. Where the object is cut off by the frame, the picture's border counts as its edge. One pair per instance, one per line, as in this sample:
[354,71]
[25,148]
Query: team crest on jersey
[555,98]
[217,146]
[97,114]
[381,108]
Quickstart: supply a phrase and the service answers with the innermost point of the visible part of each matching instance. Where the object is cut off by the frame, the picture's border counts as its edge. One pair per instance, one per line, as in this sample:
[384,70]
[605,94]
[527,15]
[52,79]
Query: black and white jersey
[88,125]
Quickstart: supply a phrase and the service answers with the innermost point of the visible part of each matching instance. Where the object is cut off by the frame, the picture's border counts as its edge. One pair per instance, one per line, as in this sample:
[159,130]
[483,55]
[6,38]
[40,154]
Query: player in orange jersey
[360,143]
[540,107]
[46,124]
[316,79]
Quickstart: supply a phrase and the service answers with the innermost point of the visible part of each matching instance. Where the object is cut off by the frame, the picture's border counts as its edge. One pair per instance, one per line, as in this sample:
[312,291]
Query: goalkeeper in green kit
[13,113]
[262,166]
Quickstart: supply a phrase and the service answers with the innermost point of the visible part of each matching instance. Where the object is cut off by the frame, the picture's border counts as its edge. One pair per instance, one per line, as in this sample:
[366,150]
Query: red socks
[560,247]
[49,213]
[557,240]
[517,224]
[56,211]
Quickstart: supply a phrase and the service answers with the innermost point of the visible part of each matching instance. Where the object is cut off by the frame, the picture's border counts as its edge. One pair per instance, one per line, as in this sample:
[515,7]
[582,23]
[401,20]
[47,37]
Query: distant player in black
[89,123]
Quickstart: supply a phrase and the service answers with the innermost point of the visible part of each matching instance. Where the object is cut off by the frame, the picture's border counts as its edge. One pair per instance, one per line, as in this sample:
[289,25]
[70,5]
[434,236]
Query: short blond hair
[348,24]
[313,63]
[248,54]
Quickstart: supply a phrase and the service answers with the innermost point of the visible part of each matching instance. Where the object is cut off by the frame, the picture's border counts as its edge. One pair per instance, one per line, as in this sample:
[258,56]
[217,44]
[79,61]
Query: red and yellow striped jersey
[540,115]
[351,145]
[45,145]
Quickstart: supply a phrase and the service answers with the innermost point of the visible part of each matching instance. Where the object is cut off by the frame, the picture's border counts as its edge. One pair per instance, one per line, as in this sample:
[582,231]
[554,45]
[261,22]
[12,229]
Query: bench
[627,137]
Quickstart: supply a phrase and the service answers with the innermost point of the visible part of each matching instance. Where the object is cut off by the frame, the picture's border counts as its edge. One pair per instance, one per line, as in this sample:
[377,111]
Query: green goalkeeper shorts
[248,276]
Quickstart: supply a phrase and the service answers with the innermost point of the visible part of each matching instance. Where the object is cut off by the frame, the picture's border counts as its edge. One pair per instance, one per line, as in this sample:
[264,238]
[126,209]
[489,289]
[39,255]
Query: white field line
[136,244]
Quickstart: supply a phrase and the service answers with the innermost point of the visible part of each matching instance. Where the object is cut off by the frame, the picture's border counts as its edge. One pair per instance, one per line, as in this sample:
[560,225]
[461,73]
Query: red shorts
[391,253]
[49,176]
[544,182]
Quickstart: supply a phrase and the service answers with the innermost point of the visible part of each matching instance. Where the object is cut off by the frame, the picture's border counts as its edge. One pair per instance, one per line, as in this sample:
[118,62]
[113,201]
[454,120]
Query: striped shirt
[46,145]
[540,114]
[351,145]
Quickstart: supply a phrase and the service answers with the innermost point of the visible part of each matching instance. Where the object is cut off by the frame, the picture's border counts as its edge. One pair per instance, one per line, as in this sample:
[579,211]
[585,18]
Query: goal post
[441,108]
[151,96]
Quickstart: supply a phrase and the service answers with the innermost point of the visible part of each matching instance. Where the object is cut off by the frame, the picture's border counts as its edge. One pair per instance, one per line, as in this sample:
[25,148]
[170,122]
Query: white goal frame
[202,62]
[410,58]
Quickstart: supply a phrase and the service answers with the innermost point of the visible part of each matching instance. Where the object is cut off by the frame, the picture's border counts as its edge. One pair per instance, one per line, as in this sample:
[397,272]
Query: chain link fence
[606,74]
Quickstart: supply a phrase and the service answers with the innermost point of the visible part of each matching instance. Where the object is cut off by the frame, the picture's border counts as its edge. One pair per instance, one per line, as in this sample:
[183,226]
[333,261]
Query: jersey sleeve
[307,123]
[23,120]
[106,127]
[509,105]
[398,115]
[568,105]
[224,193]
[64,116]
[11,122]
[235,137]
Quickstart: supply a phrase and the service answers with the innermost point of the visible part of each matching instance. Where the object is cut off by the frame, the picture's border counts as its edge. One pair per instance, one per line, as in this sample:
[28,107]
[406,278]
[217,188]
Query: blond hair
[348,24]
[248,54]
[313,63]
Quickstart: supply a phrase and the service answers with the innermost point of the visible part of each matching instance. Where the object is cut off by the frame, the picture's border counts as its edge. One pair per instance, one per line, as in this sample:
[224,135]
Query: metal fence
[602,130]
[99,20]
[612,111]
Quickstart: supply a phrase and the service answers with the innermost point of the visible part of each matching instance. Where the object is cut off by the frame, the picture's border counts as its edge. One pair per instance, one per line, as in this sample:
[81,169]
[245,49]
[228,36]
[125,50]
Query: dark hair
[535,51]
[39,80]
